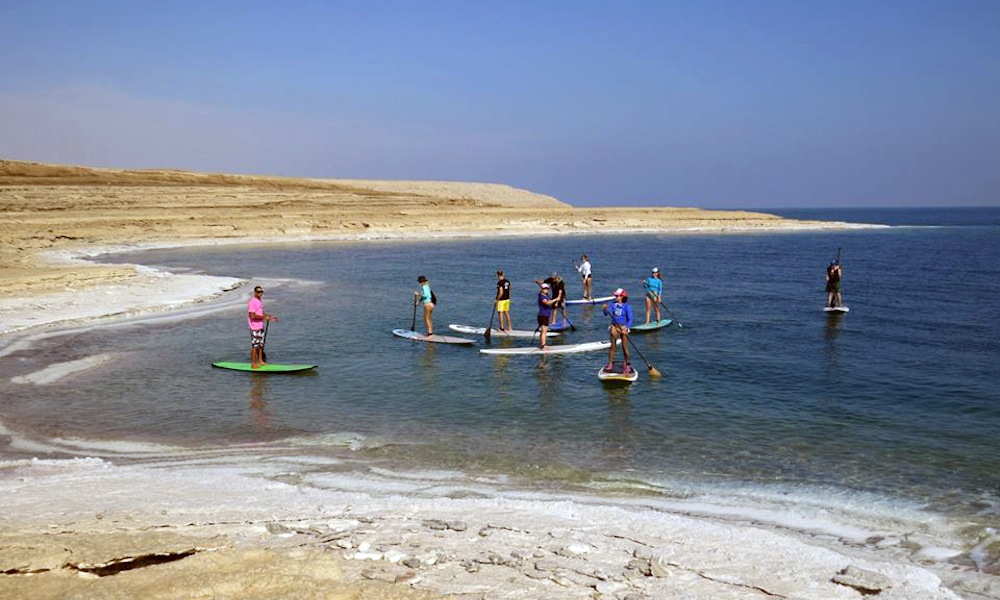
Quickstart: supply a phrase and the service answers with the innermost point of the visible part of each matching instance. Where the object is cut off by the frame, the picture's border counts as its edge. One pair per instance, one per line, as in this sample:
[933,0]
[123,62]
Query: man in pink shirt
[256,317]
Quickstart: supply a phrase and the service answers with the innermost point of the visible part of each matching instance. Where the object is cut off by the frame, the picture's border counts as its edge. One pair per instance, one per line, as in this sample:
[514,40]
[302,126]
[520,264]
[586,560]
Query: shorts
[503,305]
[543,321]
[256,338]
[833,287]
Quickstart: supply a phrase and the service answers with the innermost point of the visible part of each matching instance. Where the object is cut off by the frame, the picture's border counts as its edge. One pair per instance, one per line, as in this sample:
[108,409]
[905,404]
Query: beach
[205,526]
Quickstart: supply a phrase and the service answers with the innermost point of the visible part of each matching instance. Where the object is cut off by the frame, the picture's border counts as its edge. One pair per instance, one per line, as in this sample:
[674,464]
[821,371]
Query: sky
[715,103]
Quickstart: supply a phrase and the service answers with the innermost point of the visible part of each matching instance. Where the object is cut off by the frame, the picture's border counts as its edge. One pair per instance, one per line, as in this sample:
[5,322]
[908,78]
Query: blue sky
[717,104]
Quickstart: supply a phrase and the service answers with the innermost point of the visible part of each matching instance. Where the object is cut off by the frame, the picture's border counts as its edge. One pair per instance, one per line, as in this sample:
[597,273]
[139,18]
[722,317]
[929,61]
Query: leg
[542,340]
[649,309]
[428,309]
[624,338]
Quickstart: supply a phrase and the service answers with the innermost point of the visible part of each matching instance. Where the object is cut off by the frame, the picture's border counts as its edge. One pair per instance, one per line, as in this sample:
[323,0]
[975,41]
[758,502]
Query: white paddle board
[516,333]
[836,309]
[557,349]
[440,339]
[591,300]
[617,375]
[653,325]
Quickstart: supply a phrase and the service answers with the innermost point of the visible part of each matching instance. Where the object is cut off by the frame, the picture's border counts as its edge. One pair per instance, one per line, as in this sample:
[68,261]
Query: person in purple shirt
[621,320]
[545,303]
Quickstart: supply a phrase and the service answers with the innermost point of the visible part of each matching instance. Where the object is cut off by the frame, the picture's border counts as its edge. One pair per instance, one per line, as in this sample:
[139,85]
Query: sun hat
[421,279]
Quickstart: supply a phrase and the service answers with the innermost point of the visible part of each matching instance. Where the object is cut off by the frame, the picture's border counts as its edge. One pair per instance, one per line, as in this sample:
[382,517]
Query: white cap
[545,285]
[619,292]
[656,269]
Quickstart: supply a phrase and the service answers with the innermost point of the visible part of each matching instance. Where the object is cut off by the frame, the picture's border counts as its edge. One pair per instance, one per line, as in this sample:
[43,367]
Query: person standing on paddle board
[545,303]
[557,290]
[256,317]
[833,274]
[503,301]
[426,297]
[621,320]
[654,293]
[585,273]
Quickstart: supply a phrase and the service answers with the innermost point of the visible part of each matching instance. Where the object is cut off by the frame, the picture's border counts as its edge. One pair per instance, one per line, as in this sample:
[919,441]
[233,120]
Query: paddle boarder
[585,273]
[557,289]
[503,301]
[256,317]
[545,303]
[833,275]
[426,297]
[621,320]
[654,293]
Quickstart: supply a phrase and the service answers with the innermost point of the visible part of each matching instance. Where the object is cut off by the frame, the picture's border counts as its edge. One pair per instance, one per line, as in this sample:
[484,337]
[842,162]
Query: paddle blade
[487,333]
[653,372]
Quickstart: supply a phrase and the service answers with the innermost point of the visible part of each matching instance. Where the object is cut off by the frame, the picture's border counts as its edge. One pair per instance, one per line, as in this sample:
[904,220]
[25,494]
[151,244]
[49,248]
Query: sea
[879,426]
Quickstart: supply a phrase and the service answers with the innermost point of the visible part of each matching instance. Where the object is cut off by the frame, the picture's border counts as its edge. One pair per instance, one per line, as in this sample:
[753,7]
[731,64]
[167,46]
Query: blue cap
[833,262]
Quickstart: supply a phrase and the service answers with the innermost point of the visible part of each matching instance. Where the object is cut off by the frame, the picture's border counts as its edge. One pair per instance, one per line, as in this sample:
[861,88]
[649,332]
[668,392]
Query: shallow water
[764,400]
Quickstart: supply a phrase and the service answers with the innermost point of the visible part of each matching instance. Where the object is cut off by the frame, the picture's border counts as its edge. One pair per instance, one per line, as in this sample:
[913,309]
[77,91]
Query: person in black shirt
[503,301]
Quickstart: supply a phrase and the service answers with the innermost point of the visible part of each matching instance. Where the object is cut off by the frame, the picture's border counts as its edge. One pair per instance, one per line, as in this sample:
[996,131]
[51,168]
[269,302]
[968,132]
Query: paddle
[672,316]
[263,342]
[488,331]
[413,325]
[652,370]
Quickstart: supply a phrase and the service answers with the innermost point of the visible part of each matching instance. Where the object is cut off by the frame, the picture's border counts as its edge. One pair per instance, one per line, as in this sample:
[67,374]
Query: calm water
[761,391]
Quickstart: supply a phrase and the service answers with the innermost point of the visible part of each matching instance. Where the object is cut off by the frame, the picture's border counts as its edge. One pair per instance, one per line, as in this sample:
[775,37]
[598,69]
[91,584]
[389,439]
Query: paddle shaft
[488,331]
[263,342]
[413,325]
[672,316]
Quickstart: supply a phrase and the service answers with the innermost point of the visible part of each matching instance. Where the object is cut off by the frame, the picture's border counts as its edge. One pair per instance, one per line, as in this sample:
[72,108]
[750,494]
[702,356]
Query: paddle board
[440,339]
[591,300]
[557,349]
[560,325]
[653,325]
[268,368]
[516,333]
[617,375]
[836,309]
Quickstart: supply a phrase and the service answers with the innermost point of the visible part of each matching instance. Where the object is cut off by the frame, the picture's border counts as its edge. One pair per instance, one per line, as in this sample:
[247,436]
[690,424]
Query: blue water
[897,400]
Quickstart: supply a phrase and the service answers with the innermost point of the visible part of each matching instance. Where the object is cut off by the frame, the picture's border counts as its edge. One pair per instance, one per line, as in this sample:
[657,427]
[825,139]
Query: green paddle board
[268,368]
[654,325]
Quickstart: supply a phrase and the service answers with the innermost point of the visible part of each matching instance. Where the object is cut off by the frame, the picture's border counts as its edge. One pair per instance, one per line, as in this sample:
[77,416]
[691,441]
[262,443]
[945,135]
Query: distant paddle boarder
[654,293]
[585,273]
[426,297]
[502,300]
[557,290]
[833,275]
[256,318]
[545,303]
[621,320]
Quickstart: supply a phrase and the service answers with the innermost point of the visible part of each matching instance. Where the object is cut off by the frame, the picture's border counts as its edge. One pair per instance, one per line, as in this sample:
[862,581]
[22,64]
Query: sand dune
[68,208]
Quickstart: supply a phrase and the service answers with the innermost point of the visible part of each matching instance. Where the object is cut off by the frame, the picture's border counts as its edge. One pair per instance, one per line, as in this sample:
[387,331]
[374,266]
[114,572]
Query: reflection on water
[619,432]
[258,399]
[831,349]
